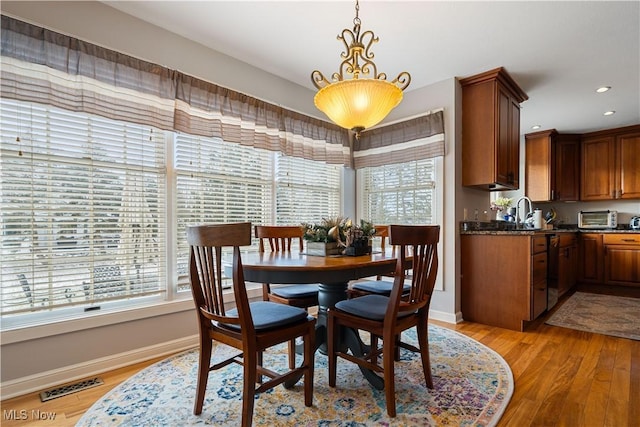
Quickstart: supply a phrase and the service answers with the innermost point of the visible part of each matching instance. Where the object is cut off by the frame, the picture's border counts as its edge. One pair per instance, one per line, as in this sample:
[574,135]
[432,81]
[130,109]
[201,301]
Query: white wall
[63,355]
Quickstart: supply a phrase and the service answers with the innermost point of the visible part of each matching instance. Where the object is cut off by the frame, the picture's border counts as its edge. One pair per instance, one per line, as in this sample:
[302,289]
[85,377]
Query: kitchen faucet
[518,209]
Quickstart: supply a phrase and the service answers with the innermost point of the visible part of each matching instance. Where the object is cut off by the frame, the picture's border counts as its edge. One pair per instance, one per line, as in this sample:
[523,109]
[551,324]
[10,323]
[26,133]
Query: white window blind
[218,182]
[83,208]
[402,193]
[306,191]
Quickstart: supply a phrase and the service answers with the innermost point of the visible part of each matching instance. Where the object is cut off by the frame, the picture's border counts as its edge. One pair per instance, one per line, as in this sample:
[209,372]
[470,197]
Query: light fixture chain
[356,20]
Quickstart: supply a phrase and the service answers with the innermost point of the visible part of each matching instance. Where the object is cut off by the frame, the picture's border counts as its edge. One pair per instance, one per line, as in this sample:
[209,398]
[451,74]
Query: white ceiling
[558,52]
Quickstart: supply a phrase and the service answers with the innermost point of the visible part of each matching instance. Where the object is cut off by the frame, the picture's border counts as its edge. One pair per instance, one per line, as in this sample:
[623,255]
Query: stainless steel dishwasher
[553,254]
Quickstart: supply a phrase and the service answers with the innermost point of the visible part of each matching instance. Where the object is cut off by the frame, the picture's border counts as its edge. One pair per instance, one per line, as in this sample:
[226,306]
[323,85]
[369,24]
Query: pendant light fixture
[357,97]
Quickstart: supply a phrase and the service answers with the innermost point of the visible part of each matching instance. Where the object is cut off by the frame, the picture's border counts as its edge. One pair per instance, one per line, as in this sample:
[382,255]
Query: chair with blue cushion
[386,317]
[379,286]
[280,238]
[249,327]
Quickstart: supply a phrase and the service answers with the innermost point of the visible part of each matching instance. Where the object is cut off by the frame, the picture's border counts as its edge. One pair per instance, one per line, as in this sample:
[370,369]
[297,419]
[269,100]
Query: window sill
[72,320]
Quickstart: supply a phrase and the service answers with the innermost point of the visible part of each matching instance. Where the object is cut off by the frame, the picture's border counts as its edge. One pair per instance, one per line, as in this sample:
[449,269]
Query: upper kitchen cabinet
[552,166]
[611,164]
[491,130]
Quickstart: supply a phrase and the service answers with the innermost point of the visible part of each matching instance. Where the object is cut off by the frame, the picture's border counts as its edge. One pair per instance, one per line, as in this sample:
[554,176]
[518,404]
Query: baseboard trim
[446,317]
[48,379]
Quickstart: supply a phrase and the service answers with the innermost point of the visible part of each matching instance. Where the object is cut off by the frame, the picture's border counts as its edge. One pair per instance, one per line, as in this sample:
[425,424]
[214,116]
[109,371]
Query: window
[403,193]
[83,209]
[218,181]
[96,210]
[306,191]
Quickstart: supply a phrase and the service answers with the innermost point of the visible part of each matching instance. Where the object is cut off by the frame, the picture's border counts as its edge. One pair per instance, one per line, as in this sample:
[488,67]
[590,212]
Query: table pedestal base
[328,296]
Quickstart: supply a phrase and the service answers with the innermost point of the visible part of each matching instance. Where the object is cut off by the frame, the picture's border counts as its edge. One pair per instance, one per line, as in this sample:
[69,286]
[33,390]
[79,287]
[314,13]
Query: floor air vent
[54,393]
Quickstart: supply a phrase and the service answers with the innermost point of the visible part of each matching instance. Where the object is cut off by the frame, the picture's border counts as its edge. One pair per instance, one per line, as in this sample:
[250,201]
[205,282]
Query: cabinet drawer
[621,239]
[539,268]
[539,244]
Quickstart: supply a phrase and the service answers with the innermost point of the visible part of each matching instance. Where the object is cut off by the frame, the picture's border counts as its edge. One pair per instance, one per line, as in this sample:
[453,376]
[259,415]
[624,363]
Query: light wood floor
[562,378]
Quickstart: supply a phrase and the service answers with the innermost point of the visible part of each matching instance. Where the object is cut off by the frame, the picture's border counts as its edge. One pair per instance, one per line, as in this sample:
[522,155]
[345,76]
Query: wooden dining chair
[249,327]
[280,239]
[383,283]
[386,317]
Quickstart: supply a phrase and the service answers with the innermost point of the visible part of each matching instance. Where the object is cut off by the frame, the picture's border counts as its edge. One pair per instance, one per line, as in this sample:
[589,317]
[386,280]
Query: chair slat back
[279,237]
[421,242]
[205,268]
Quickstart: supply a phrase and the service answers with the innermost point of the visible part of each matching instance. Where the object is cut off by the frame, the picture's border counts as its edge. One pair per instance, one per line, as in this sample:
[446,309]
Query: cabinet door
[566,185]
[503,160]
[567,268]
[514,144]
[629,161]
[622,265]
[538,176]
[591,258]
[538,284]
[598,168]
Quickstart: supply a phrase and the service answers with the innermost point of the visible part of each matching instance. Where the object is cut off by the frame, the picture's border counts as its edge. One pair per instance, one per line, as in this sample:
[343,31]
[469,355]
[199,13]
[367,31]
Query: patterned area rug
[472,387]
[602,314]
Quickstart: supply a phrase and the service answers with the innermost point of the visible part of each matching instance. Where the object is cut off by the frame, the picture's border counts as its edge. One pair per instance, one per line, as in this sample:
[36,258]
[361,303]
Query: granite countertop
[502,228]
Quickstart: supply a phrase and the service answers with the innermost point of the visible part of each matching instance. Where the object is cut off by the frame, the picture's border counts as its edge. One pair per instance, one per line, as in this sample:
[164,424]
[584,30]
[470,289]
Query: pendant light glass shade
[358,103]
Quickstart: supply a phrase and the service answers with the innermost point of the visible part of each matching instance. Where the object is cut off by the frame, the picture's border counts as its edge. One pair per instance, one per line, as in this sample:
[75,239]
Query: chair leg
[309,354]
[331,348]
[388,361]
[423,340]
[259,363]
[292,354]
[249,387]
[374,346]
[203,373]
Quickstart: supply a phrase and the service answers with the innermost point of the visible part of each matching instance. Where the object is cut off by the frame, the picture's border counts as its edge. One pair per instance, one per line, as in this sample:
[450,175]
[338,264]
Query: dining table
[332,274]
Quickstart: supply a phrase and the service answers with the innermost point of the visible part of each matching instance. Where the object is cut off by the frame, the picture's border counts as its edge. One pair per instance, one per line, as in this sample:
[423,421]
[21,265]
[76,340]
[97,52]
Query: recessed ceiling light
[603,89]
[535,127]
[609,113]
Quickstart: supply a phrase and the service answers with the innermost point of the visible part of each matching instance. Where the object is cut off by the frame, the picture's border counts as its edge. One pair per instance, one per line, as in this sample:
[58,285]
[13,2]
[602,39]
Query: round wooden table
[332,273]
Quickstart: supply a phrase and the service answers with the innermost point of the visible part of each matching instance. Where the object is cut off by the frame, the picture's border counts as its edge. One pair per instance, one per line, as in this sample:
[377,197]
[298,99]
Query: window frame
[32,325]
[437,211]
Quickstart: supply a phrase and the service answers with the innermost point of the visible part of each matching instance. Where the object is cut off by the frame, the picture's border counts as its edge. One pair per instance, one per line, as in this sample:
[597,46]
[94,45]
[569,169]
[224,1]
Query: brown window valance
[414,139]
[39,65]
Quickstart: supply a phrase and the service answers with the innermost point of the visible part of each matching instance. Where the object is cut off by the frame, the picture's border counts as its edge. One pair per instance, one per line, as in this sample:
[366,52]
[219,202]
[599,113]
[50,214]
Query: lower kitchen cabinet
[567,263]
[622,259]
[591,258]
[504,279]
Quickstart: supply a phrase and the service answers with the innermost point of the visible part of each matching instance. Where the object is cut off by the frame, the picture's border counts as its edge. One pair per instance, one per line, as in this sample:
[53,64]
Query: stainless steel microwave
[597,219]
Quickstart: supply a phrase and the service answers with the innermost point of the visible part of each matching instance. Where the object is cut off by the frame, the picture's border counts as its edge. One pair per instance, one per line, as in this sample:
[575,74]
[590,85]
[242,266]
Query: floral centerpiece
[323,238]
[358,241]
[500,205]
[338,236]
